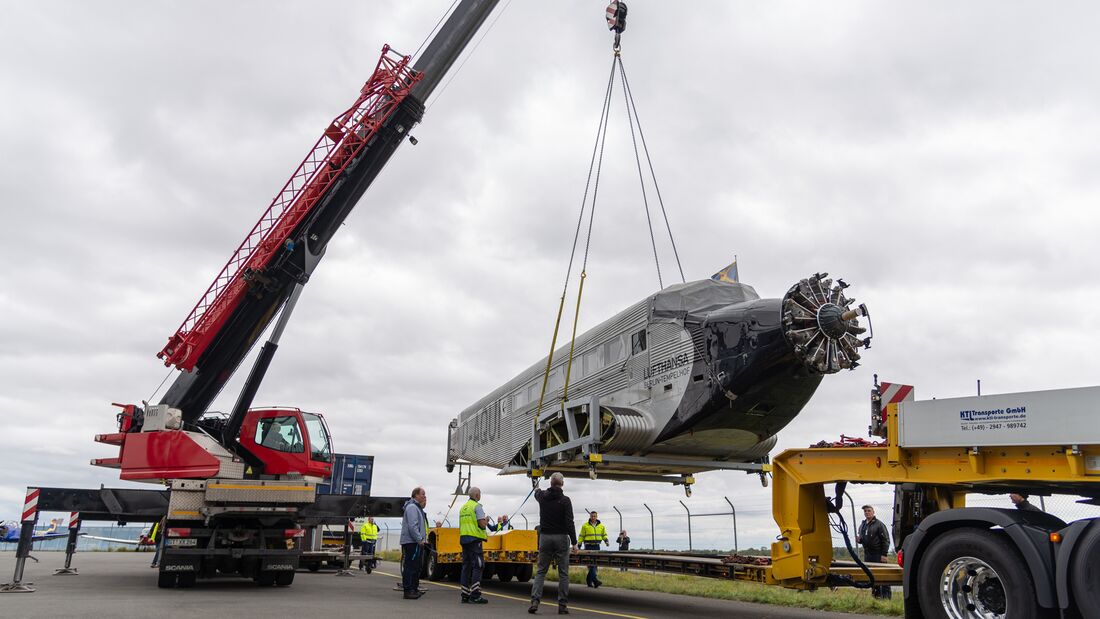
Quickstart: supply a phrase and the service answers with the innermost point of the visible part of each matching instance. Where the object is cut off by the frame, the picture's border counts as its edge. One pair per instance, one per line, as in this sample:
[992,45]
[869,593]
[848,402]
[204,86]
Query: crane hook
[616,20]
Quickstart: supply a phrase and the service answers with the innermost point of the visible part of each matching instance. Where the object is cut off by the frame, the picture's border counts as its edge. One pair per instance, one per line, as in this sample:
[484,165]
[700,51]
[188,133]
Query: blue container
[351,475]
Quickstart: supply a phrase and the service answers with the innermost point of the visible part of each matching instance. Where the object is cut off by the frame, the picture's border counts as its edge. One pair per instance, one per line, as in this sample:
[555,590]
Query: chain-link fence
[745,524]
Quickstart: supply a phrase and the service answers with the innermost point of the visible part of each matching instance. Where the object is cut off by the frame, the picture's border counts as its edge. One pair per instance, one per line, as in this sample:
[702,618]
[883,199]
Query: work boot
[534,608]
[563,609]
[478,600]
[465,599]
[597,583]
[413,595]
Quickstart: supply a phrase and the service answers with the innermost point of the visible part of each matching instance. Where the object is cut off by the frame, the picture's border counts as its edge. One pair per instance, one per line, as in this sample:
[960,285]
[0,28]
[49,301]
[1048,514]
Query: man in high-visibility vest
[471,530]
[592,533]
[368,534]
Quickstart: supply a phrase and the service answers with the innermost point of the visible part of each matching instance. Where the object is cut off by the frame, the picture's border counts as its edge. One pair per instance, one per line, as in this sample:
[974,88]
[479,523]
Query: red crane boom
[341,142]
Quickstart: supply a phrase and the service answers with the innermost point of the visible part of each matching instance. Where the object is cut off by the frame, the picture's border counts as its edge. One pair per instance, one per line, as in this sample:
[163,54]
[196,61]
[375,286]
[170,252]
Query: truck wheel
[972,572]
[435,568]
[313,567]
[1084,571]
[187,580]
[284,579]
[265,578]
[505,572]
[166,580]
[454,573]
[524,572]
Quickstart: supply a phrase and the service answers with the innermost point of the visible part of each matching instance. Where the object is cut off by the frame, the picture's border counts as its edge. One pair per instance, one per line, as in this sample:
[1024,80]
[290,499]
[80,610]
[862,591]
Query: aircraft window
[520,399]
[591,362]
[637,342]
[280,434]
[613,350]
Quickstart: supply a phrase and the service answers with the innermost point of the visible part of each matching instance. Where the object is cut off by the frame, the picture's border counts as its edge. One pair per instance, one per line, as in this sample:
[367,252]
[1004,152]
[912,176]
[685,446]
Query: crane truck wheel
[187,580]
[1084,572]
[265,578]
[284,579]
[166,580]
[973,572]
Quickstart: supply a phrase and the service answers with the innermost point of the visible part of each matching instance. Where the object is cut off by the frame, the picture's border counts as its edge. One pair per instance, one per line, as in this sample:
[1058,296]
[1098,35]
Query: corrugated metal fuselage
[699,371]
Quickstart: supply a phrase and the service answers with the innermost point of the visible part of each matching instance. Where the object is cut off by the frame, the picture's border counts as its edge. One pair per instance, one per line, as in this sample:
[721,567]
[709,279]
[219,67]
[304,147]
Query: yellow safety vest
[593,534]
[467,521]
[368,532]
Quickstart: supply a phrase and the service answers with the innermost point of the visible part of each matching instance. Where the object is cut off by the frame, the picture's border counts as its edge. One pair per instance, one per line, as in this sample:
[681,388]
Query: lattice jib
[341,142]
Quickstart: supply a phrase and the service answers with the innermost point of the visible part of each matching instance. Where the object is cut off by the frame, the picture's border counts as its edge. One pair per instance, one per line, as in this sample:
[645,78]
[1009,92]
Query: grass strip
[841,600]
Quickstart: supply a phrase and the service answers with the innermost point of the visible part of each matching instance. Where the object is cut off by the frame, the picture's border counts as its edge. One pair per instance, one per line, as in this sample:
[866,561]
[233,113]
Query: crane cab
[288,441]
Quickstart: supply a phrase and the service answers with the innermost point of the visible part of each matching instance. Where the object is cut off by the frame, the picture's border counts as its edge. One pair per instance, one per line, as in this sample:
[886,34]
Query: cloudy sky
[940,157]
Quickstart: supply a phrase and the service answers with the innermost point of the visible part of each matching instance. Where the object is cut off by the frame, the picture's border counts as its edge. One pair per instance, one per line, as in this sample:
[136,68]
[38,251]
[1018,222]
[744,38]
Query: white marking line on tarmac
[524,600]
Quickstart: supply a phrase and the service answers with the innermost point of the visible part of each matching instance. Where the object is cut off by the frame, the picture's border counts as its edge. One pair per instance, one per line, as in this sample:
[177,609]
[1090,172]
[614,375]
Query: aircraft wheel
[973,572]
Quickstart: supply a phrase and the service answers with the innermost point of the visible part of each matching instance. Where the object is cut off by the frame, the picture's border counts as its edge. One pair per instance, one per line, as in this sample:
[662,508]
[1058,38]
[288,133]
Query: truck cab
[288,441]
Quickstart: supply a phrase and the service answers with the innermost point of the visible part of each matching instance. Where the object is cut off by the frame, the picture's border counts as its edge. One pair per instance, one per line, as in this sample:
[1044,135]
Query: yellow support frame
[802,556]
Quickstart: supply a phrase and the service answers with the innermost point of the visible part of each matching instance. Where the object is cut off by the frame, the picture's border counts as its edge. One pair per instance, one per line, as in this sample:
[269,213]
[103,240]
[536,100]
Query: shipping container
[351,475]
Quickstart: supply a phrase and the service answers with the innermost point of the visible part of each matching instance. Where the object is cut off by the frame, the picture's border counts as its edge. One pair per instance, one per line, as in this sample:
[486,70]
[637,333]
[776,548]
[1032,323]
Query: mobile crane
[241,487]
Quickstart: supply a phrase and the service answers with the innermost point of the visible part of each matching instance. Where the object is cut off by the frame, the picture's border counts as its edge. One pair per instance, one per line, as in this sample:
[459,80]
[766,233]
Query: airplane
[10,534]
[10,529]
[698,376]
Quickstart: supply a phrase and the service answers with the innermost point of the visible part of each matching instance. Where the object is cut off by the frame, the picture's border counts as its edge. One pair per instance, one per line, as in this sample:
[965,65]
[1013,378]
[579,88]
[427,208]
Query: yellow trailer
[508,554]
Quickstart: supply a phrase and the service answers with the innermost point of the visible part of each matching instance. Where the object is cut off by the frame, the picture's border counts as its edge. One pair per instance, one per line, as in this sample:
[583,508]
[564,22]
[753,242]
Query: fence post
[652,540]
[733,511]
[387,535]
[620,518]
[689,525]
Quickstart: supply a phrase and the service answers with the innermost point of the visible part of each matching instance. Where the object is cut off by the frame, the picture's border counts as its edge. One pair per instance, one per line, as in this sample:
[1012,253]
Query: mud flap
[280,564]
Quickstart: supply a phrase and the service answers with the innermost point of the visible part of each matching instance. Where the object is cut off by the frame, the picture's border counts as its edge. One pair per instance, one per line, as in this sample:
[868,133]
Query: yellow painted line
[244,487]
[551,603]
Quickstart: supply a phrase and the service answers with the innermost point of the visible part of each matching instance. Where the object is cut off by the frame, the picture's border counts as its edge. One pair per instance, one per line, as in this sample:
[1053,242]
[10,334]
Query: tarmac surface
[121,584]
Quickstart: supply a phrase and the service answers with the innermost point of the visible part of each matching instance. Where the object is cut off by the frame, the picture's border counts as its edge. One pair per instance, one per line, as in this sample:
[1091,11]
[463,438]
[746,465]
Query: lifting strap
[616,21]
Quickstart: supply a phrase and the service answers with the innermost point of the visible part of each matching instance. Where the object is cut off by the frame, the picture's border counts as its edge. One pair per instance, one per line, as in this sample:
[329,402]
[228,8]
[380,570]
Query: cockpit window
[637,342]
[280,433]
[318,438]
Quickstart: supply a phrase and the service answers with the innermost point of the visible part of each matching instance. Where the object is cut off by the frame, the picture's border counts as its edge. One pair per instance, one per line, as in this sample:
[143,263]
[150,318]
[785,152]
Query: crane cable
[617,23]
[595,164]
[632,110]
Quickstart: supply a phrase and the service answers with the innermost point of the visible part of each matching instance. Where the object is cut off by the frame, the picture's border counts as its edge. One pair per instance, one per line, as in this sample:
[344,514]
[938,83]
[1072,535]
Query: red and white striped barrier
[892,393]
[74,520]
[30,506]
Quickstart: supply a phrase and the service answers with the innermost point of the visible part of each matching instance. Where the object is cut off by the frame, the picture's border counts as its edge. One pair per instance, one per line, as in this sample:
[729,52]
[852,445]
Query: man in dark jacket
[1019,499]
[876,544]
[557,536]
[624,545]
